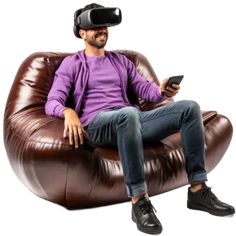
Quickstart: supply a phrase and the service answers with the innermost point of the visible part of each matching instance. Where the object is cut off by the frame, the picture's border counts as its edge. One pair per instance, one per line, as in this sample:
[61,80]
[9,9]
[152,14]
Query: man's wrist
[161,93]
[66,111]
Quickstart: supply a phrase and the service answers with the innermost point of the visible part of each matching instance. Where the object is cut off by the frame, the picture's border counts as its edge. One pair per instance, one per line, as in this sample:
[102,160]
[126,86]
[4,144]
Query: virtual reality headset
[96,18]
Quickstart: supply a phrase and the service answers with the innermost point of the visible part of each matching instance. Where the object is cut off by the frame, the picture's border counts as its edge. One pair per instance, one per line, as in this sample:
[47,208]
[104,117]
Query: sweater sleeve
[143,88]
[60,89]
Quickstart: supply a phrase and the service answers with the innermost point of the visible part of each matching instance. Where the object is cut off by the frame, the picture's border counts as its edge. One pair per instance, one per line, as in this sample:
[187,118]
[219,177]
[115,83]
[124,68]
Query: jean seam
[124,159]
[145,120]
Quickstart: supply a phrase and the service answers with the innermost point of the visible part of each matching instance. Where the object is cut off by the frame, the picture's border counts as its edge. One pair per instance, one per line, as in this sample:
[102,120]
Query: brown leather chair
[89,176]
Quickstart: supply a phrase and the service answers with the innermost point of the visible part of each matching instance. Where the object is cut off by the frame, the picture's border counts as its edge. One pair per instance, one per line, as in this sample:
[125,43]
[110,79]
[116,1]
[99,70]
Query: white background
[196,38]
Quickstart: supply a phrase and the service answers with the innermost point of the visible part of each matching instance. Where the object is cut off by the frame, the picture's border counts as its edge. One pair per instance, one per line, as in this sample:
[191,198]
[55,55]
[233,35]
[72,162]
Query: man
[98,80]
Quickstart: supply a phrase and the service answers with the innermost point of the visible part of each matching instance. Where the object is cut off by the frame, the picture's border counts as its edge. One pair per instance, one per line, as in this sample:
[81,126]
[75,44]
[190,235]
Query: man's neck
[91,51]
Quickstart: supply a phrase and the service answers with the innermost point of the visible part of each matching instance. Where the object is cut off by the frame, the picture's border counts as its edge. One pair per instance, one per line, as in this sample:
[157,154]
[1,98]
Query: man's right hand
[73,128]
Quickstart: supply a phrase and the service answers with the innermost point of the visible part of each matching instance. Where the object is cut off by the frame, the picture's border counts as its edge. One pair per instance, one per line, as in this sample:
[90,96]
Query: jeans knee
[191,107]
[129,115]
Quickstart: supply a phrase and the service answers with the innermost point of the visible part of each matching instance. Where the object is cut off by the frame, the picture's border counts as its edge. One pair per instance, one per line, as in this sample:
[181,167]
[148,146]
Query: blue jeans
[128,129]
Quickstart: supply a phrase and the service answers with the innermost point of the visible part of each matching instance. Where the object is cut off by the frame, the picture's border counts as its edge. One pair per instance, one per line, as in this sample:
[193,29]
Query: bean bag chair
[89,176]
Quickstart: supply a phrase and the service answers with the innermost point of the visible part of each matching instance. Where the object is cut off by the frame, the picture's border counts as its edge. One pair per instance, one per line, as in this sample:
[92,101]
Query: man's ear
[82,33]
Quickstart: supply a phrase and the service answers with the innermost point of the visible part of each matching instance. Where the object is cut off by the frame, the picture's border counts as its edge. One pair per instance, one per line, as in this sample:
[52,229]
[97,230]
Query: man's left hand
[169,91]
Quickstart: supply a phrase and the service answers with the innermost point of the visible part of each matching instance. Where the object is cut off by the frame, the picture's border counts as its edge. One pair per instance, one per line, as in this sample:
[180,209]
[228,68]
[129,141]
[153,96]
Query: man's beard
[98,41]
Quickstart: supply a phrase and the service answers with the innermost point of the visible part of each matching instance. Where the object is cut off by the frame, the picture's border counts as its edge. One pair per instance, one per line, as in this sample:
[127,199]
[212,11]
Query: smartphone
[174,80]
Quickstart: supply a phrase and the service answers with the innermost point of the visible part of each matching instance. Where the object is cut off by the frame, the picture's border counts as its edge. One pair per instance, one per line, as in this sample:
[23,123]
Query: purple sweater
[103,90]
[71,78]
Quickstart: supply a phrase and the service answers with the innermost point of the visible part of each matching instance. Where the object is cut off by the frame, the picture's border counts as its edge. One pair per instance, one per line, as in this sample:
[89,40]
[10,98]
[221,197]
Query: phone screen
[174,80]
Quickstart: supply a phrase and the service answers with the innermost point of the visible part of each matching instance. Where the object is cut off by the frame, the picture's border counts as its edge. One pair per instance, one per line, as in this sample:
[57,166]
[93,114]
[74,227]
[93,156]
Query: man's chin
[97,44]
[101,45]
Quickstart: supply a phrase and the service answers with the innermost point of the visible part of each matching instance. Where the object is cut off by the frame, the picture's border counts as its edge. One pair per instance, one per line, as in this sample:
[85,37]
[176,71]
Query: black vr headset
[96,18]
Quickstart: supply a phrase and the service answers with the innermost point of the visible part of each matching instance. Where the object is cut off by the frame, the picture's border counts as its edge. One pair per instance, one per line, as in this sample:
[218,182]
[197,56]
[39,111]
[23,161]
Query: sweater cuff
[162,95]
[58,112]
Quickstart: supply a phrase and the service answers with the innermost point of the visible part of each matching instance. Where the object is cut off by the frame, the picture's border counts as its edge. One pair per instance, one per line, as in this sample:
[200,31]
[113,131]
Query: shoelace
[208,194]
[147,207]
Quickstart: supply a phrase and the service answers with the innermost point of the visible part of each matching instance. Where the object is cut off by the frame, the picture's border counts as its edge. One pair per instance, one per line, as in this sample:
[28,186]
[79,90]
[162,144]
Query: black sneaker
[205,200]
[143,215]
